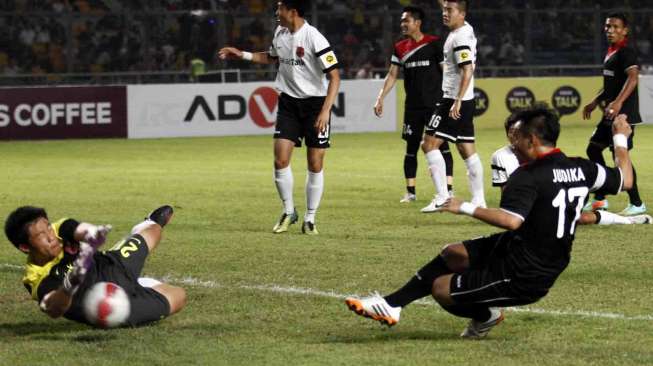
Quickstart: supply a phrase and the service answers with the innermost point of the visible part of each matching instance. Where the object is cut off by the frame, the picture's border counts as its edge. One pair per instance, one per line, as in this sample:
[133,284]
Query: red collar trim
[554,151]
[616,47]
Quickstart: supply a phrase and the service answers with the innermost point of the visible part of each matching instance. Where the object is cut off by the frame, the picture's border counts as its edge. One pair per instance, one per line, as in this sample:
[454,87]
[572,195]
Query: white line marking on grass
[331,294]
[191,281]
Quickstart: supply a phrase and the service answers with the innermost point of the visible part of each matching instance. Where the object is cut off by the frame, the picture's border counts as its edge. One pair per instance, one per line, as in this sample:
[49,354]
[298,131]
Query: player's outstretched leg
[150,229]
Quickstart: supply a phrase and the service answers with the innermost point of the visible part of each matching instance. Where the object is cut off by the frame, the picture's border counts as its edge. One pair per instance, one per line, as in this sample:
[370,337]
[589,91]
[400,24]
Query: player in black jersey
[62,264]
[618,96]
[540,207]
[419,56]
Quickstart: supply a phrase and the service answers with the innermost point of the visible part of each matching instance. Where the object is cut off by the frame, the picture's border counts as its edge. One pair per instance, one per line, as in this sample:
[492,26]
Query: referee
[619,96]
[304,57]
[419,55]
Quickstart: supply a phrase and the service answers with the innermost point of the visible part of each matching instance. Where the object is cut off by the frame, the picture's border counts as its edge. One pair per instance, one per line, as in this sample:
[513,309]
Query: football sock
[448,158]
[609,218]
[410,166]
[633,193]
[314,189]
[142,226]
[438,168]
[420,285]
[283,179]
[475,178]
[477,312]
[148,282]
[449,187]
[410,189]
[595,154]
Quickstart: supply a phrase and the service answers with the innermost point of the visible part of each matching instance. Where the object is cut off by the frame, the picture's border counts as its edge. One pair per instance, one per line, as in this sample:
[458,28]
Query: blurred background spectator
[39,37]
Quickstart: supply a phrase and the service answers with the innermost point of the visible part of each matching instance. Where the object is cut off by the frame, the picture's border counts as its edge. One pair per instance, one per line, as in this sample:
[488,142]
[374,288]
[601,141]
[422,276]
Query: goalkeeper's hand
[96,235]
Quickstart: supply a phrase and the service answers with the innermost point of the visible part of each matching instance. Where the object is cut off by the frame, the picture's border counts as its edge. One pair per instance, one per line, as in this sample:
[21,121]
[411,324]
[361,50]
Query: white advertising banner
[646,98]
[186,110]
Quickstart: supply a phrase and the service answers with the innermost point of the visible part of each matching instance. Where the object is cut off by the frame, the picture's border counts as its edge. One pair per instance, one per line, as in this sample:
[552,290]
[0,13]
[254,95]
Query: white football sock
[148,282]
[609,218]
[438,170]
[314,189]
[475,179]
[142,226]
[283,179]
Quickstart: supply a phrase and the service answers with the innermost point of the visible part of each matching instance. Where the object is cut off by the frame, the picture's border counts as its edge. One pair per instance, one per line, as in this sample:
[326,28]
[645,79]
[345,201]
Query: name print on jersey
[568,175]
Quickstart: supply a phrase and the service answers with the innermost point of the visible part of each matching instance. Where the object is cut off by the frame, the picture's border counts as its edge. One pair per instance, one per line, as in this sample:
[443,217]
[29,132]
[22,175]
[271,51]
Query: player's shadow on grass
[391,336]
[53,331]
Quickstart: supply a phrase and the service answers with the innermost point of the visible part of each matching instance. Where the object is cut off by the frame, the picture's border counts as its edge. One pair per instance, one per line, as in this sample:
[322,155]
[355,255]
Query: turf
[259,298]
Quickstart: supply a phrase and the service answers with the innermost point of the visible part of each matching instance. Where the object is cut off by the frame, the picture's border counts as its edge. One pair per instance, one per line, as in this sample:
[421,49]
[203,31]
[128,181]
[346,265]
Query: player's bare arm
[620,127]
[332,93]
[591,106]
[490,216]
[388,84]
[467,73]
[614,107]
[232,53]
[56,303]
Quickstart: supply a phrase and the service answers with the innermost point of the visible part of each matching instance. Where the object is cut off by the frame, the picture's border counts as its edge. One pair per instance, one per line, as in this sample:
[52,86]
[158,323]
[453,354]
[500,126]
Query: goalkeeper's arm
[91,237]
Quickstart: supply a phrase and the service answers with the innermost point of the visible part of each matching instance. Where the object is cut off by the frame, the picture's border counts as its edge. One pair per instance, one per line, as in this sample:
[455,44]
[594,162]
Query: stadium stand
[113,36]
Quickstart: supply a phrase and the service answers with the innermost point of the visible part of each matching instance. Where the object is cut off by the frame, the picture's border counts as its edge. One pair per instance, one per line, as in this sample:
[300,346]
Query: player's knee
[177,299]
[281,163]
[440,290]
[456,257]
[315,166]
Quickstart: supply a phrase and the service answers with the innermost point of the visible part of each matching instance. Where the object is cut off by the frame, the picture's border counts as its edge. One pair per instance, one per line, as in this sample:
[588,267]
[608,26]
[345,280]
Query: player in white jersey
[453,118]
[505,161]
[304,57]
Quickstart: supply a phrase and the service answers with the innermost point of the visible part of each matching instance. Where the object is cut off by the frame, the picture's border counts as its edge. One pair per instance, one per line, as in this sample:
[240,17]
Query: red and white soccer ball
[106,305]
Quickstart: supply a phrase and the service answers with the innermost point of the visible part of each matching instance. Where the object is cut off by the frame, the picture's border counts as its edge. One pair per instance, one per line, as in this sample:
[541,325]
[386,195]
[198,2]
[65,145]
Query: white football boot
[374,307]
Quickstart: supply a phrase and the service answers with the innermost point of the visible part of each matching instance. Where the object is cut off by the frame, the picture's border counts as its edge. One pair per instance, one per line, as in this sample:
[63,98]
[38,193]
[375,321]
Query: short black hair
[621,16]
[510,121]
[415,12]
[301,6]
[542,122]
[463,5]
[515,116]
[16,226]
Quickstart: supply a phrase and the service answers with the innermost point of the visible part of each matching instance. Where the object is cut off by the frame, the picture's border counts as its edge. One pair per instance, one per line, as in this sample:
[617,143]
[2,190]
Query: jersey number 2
[577,195]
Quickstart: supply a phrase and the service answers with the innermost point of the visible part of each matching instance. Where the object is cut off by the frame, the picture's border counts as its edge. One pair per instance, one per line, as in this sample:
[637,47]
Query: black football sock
[410,166]
[420,285]
[410,189]
[633,193]
[477,312]
[595,154]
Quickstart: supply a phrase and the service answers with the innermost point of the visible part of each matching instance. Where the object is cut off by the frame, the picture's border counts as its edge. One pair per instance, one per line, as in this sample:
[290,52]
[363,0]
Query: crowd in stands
[89,36]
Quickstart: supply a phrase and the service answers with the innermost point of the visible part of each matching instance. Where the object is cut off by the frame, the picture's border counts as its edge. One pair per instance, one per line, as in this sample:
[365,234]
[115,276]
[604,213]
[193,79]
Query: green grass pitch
[261,299]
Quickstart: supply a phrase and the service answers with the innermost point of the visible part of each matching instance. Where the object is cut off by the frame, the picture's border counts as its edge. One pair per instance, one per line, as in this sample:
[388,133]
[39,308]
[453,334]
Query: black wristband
[67,230]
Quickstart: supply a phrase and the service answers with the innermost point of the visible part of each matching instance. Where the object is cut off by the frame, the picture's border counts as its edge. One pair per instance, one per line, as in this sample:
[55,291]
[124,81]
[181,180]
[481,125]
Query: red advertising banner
[63,112]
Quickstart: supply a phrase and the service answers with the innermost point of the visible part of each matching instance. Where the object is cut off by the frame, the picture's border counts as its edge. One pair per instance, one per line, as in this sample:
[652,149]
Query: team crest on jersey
[464,56]
[300,52]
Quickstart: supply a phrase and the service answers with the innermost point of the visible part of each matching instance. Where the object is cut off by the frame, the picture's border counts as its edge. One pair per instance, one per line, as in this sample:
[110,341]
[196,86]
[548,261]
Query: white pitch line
[191,281]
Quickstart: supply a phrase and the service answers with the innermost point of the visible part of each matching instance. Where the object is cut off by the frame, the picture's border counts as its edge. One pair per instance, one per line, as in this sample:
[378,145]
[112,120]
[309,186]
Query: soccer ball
[106,305]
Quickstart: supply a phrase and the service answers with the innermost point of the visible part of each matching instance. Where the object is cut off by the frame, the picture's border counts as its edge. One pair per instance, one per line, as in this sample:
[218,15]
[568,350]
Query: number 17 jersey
[548,194]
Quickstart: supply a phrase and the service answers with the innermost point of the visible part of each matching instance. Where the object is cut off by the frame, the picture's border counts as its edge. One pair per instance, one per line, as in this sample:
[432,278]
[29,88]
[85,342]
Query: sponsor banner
[496,98]
[62,112]
[502,96]
[646,98]
[186,110]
